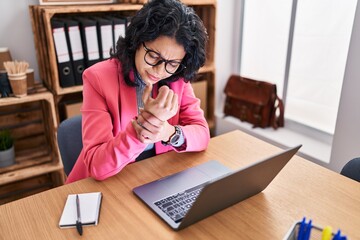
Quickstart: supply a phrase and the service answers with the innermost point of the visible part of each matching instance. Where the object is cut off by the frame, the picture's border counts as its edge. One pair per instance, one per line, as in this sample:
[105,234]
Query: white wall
[16,31]
[225,47]
[346,141]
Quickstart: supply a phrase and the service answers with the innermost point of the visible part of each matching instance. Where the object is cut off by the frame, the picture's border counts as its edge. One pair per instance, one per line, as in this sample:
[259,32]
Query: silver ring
[140,124]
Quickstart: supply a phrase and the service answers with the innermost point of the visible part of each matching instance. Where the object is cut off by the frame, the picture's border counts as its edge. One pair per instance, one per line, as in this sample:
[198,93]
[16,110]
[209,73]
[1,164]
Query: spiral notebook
[90,204]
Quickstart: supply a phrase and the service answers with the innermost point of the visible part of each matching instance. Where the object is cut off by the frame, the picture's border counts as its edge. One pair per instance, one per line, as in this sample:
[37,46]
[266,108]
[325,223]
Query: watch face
[175,138]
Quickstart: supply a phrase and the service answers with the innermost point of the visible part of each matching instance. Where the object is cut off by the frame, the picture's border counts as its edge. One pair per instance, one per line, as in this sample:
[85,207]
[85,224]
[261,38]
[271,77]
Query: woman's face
[162,48]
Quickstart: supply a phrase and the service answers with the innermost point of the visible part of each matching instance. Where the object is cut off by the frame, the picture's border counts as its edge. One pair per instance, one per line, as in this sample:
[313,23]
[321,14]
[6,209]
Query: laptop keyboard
[177,205]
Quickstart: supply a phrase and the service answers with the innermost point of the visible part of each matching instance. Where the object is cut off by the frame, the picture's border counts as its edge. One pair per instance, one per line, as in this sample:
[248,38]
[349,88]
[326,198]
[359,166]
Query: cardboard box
[72,109]
[200,90]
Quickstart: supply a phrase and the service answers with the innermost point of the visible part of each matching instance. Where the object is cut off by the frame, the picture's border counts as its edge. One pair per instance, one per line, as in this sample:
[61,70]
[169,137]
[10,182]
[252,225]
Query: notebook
[89,209]
[191,195]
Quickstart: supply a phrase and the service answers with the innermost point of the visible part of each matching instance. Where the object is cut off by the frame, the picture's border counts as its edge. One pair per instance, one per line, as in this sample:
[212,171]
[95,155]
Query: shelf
[75,89]
[40,93]
[199,2]
[189,2]
[33,124]
[23,188]
[68,9]
[27,158]
[42,30]
[207,68]
[29,172]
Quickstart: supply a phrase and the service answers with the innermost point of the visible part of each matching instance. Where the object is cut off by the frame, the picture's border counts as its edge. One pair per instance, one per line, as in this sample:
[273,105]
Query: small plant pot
[7,157]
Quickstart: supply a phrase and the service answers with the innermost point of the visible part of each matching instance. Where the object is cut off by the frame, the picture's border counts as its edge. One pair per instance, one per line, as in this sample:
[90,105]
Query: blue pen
[307,232]
[338,236]
[301,230]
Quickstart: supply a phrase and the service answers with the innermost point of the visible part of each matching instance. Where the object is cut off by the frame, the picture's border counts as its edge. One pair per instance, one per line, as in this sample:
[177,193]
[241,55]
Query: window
[301,46]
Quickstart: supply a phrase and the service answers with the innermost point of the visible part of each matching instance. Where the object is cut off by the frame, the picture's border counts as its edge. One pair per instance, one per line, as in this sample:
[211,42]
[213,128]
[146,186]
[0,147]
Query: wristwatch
[173,140]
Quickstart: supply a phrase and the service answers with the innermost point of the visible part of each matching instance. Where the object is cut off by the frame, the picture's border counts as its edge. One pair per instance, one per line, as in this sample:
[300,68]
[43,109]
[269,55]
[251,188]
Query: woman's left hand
[151,129]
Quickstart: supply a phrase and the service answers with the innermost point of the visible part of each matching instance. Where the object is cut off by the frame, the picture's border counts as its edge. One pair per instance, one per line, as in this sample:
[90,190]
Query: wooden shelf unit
[44,42]
[32,123]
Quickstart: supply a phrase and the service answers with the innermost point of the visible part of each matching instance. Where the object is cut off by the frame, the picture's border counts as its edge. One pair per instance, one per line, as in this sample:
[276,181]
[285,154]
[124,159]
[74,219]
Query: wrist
[171,130]
[176,138]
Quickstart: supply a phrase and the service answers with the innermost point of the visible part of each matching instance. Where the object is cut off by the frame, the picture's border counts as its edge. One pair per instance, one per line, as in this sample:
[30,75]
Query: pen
[338,236]
[326,233]
[301,229]
[308,231]
[78,220]
[304,230]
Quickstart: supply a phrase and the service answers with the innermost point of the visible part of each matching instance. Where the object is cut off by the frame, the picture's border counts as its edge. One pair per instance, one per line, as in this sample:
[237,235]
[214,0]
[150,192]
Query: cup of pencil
[16,71]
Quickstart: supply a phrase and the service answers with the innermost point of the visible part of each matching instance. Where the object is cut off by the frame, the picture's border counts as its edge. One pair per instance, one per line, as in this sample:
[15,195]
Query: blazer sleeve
[192,121]
[106,152]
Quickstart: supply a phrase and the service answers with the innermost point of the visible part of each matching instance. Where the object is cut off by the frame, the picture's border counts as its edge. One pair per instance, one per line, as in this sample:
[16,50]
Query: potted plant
[7,152]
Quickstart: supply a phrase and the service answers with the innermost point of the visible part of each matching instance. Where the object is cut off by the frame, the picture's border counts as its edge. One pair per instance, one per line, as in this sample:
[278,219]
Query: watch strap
[177,139]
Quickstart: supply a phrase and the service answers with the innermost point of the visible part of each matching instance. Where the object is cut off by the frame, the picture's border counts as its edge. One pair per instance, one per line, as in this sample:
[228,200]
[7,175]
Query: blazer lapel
[128,105]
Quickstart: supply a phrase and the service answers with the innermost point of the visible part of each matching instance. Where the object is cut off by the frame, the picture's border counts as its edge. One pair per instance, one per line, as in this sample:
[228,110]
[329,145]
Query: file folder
[89,40]
[66,75]
[105,36]
[5,87]
[73,38]
[119,28]
[128,21]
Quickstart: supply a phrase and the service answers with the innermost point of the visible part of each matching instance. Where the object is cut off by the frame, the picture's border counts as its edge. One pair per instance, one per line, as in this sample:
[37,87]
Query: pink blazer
[109,139]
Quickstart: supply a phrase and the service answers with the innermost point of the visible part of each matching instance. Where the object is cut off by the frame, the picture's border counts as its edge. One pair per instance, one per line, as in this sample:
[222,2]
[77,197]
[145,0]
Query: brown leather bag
[254,101]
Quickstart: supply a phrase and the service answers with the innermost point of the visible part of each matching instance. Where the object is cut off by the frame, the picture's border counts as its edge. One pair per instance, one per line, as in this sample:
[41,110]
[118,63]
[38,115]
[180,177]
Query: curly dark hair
[169,18]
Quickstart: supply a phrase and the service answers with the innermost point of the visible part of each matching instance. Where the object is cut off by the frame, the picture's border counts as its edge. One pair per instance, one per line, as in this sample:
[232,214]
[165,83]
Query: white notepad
[89,209]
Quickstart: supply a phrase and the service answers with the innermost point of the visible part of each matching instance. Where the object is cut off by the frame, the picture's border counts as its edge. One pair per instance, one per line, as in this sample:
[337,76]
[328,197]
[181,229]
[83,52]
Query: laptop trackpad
[181,181]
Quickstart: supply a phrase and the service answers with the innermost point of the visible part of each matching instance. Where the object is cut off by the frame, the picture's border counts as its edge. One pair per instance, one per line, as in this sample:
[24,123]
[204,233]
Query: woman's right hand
[164,106]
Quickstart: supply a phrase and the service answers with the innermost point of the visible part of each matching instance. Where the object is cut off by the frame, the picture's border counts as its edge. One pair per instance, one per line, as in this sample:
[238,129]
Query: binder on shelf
[128,21]
[73,38]
[105,36]
[66,76]
[89,40]
[5,87]
[119,28]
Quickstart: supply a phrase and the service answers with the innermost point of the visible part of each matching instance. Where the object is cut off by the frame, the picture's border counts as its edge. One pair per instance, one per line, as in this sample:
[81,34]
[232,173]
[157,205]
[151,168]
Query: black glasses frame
[177,70]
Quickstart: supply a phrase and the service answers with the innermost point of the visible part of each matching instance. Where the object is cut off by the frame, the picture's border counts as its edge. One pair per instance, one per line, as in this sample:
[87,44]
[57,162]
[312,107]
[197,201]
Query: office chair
[70,141]
[352,169]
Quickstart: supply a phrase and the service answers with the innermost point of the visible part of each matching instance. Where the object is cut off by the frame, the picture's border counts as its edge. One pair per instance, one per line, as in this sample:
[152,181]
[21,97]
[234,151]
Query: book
[90,204]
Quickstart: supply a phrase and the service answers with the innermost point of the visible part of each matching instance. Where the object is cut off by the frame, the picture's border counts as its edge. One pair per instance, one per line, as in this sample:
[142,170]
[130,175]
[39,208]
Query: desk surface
[301,189]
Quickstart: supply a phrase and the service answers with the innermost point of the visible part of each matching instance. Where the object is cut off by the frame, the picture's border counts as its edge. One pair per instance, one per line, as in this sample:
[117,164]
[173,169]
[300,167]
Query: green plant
[6,141]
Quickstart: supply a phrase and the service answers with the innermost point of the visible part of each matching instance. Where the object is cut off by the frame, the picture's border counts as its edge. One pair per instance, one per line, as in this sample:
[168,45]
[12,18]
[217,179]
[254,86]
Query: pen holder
[294,230]
[18,84]
[316,233]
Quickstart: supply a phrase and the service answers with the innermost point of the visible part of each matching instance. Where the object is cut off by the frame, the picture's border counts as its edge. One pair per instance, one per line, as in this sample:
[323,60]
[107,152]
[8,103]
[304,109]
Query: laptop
[189,196]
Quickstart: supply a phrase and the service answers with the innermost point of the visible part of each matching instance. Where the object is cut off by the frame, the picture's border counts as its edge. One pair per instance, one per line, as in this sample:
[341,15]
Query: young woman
[140,102]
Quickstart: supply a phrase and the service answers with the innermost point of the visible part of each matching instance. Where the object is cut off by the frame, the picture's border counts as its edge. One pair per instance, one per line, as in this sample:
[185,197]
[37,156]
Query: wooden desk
[301,189]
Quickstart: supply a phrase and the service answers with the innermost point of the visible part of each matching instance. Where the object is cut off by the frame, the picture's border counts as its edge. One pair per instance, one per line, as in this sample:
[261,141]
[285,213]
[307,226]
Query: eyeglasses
[154,58]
